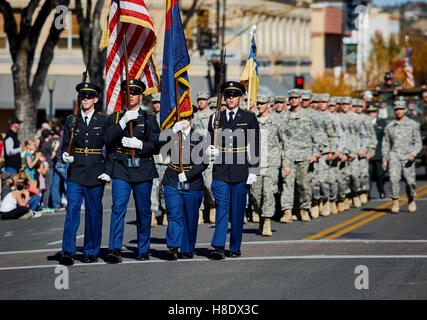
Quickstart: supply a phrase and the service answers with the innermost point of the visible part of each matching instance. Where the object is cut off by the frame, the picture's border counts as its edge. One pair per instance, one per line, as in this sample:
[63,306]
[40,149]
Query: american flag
[133,16]
[410,80]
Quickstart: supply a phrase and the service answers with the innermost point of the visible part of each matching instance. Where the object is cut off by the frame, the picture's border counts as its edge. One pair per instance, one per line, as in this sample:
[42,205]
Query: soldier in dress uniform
[184,190]
[128,175]
[200,124]
[401,144]
[236,166]
[87,173]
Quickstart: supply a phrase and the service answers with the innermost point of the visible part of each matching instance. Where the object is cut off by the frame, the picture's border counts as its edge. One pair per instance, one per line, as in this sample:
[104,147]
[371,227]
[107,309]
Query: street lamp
[50,87]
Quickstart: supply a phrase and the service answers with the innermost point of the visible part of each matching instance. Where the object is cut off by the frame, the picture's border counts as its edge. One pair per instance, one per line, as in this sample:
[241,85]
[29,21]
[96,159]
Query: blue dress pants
[183,216]
[230,199]
[93,218]
[141,194]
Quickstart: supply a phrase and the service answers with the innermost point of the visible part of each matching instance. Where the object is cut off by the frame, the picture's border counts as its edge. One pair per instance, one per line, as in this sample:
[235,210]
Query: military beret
[87,90]
[262,98]
[135,86]
[280,99]
[324,97]
[315,97]
[231,87]
[203,95]
[156,97]
[306,94]
[399,104]
[294,93]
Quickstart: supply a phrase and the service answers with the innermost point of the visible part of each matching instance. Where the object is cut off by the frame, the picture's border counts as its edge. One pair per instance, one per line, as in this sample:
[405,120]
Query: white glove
[104,177]
[251,178]
[182,177]
[133,143]
[128,116]
[67,158]
[177,127]
[212,151]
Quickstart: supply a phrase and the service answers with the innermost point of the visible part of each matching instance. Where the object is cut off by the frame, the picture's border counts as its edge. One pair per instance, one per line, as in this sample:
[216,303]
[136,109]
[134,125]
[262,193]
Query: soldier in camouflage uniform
[274,152]
[321,139]
[200,125]
[304,149]
[361,142]
[349,154]
[280,104]
[401,143]
[370,151]
[340,150]
[158,204]
[324,167]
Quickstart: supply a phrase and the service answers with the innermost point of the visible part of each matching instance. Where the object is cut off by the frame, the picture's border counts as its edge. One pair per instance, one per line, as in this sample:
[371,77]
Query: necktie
[86,118]
[231,116]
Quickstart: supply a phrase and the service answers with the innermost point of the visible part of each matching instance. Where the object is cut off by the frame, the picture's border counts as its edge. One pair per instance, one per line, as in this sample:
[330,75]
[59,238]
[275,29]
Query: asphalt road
[366,253]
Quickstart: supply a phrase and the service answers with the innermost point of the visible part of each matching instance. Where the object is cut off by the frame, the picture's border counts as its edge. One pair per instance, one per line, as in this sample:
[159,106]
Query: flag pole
[178,118]
[251,67]
[125,55]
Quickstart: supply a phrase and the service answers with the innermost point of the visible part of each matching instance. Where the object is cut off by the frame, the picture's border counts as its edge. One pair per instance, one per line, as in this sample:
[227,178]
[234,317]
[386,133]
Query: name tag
[242,124]
[140,125]
[96,128]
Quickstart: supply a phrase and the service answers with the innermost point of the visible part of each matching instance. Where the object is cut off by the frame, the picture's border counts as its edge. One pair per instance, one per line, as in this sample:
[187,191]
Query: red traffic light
[299,82]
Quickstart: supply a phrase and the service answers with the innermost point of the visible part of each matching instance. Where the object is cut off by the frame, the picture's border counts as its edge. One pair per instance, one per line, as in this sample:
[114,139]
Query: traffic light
[299,82]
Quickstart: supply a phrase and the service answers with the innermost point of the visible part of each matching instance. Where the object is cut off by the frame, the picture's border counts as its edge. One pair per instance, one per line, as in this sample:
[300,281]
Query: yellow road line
[361,216]
[361,223]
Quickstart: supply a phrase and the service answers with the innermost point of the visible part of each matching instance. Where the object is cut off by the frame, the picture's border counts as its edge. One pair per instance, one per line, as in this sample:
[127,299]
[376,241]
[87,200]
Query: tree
[22,43]
[90,36]
[330,84]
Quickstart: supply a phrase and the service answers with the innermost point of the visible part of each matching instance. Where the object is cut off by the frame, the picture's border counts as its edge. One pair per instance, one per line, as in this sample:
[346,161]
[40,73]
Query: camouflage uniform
[331,145]
[274,152]
[332,174]
[200,125]
[400,141]
[372,143]
[304,145]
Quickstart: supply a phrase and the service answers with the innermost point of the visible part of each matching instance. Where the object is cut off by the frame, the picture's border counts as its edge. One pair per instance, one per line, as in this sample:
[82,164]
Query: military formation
[304,155]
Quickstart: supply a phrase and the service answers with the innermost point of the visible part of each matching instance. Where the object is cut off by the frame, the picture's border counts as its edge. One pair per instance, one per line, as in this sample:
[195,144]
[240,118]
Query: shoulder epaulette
[249,111]
[103,114]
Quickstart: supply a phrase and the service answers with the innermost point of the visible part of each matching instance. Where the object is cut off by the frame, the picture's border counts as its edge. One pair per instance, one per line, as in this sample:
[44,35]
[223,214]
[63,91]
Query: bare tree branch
[10,27]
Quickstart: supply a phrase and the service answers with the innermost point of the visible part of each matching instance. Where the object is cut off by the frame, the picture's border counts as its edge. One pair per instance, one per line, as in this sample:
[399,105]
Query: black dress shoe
[67,258]
[187,255]
[235,254]
[114,256]
[218,253]
[172,254]
[144,256]
[90,259]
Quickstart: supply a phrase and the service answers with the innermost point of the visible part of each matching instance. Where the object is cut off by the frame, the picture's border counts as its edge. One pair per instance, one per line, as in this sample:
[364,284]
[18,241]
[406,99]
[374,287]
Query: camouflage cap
[306,94]
[212,102]
[280,99]
[156,97]
[315,97]
[333,101]
[203,95]
[294,93]
[399,104]
[262,98]
[346,100]
[324,97]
